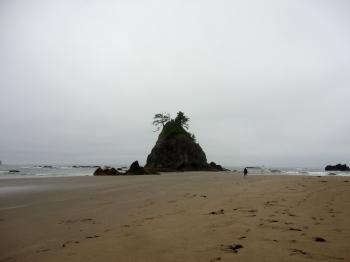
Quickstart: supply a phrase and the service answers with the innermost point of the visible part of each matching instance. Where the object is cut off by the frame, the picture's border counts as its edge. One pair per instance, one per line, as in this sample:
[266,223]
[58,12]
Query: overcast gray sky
[264,82]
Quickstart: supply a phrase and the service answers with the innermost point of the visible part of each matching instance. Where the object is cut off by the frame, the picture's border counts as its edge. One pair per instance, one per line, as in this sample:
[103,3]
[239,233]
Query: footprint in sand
[319,239]
[252,211]
[249,212]
[232,248]
[251,215]
[219,212]
[300,253]
[94,236]
[294,229]
[66,243]
[270,203]
[189,195]
[42,250]
[73,221]
[271,220]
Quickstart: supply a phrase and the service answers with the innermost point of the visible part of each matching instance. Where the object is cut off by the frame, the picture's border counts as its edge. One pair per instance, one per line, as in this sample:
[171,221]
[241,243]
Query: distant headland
[338,167]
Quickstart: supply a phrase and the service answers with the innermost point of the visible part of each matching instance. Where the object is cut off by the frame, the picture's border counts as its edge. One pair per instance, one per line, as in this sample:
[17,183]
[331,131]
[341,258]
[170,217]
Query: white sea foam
[257,170]
[68,171]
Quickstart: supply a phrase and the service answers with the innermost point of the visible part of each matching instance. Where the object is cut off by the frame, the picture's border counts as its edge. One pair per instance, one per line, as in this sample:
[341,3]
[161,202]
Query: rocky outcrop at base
[135,169]
[216,167]
[338,167]
[106,172]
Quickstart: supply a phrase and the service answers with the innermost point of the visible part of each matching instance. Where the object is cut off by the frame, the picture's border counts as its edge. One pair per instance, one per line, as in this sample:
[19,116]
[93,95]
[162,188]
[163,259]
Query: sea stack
[338,167]
[176,148]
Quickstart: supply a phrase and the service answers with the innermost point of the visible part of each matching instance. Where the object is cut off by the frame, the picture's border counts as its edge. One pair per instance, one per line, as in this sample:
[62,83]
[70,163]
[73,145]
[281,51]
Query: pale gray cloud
[264,82]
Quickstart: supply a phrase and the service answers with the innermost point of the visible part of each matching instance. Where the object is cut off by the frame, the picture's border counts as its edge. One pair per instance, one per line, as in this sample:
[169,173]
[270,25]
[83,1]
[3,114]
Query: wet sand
[197,216]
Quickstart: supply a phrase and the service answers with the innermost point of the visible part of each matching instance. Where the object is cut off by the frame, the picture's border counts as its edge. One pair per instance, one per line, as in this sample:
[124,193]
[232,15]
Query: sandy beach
[189,216]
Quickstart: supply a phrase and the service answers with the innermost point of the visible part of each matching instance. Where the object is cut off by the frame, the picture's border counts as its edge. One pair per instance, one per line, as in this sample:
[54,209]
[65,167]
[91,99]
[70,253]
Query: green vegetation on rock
[172,127]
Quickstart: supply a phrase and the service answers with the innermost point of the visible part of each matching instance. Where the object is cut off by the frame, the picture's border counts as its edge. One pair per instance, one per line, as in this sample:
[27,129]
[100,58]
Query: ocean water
[300,171]
[30,171]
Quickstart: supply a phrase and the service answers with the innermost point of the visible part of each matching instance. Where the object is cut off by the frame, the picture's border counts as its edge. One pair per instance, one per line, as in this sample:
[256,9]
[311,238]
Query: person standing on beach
[245,171]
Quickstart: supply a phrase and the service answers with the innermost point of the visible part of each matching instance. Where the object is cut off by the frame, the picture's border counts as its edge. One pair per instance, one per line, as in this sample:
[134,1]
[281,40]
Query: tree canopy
[172,127]
[159,120]
[182,120]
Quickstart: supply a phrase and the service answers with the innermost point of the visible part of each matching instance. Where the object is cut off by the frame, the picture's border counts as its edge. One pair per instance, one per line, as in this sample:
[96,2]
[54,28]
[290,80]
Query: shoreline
[25,172]
[191,216]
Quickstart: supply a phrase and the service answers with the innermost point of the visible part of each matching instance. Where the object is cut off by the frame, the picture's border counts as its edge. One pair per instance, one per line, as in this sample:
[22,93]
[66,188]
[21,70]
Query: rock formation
[214,166]
[135,169]
[106,172]
[176,149]
[338,167]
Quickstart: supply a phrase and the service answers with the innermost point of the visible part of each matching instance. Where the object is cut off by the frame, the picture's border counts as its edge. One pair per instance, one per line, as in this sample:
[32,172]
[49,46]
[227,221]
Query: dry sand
[197,216]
